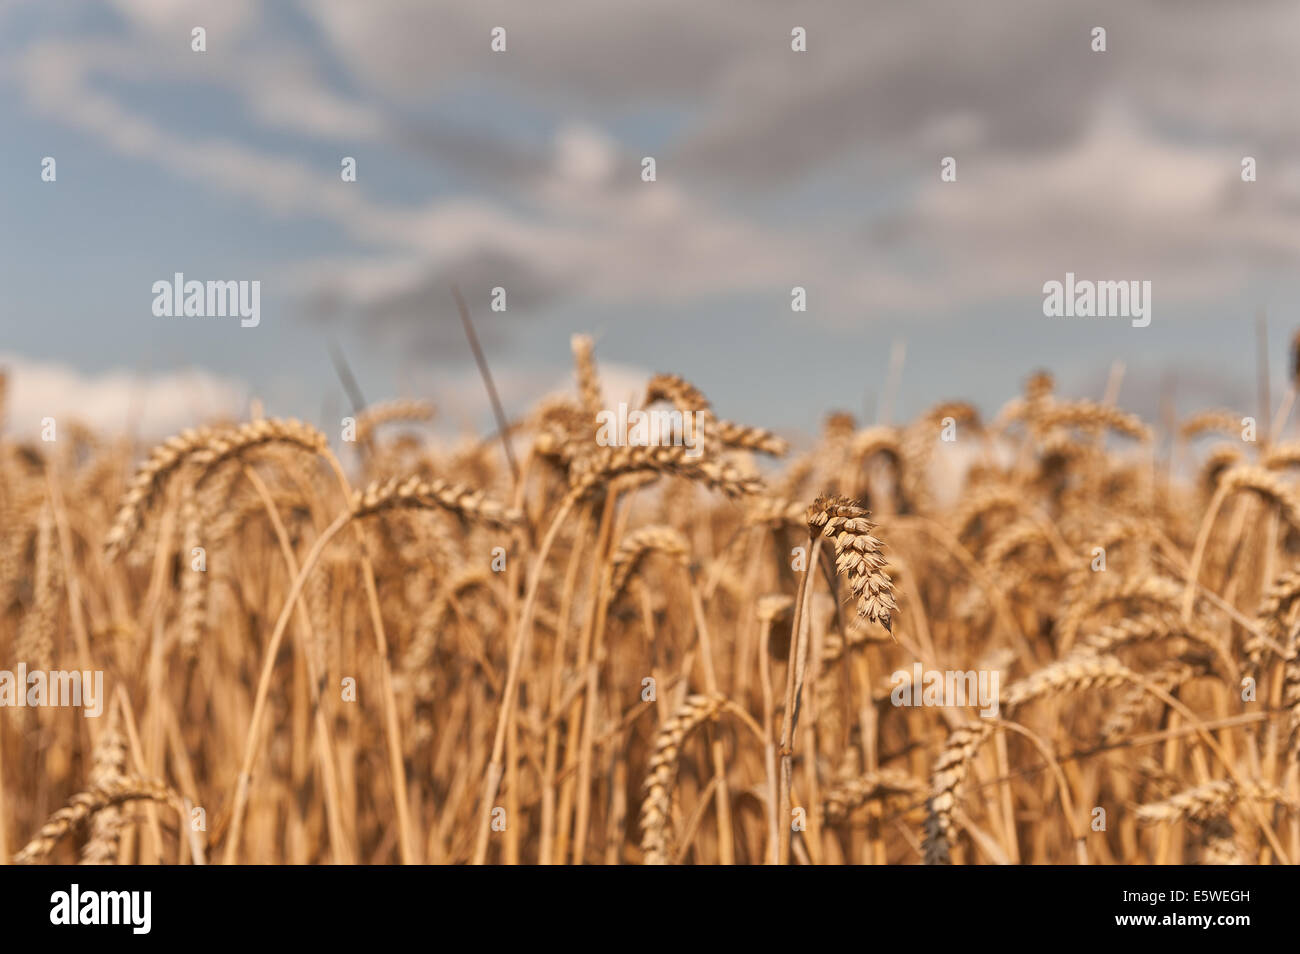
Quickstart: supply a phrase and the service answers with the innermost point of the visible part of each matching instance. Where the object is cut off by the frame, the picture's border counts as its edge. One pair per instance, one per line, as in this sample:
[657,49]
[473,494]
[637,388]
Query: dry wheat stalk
[637,545]
[1087,415]
[1076,673]
[1281,455]
[412,492]
[35,643]
[148,485]
[1218,462]
[85,804]
[1160,591]
[773,605]
[1291,701]
[657,805]
[1003,570]
[108,768]
[1218,421]
[977,505]
[227,445]
[868,443]
[776,511]
[245,509]
[678,392]
[1273,615]
[1207,801]
[589,388]
[1145,628]
[1010,541]
[744,437]
[1266,484]
[1167,676]
[860,633]
[606,463]
[391,412]
[841,800]
[193,581]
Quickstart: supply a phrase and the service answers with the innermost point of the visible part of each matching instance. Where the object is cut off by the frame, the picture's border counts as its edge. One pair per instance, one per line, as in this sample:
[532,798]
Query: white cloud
[150,406]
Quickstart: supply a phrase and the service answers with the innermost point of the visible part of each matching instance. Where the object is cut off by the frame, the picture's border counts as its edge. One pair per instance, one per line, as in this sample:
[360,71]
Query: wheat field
[546,649]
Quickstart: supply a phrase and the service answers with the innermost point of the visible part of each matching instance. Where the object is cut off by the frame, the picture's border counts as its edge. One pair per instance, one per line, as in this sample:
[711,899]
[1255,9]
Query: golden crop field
[595,652]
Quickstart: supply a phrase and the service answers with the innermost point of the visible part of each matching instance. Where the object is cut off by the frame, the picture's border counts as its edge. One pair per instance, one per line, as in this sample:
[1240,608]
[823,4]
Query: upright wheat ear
[193,582]
[35,643]
[584,365]
[108,767]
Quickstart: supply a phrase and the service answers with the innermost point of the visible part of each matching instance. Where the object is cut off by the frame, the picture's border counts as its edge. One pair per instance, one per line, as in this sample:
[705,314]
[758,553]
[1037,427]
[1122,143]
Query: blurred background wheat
[612,654]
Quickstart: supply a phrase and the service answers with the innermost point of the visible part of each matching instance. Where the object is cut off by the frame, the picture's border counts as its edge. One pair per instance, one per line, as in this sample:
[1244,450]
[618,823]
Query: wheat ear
[84,804]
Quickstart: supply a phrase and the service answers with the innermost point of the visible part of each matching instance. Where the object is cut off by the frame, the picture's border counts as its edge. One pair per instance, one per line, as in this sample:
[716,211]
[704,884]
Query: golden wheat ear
[85,804]
[858,556]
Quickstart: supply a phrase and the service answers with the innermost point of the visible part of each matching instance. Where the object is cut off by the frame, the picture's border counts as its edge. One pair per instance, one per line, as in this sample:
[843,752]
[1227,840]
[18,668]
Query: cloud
[775,168]
[150,406]
[167,17]
[573,50]
[1120,205]
[409,303]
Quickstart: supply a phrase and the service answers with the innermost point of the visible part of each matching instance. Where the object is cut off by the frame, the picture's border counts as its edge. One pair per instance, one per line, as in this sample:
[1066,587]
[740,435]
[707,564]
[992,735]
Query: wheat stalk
[85,804]
[662,769]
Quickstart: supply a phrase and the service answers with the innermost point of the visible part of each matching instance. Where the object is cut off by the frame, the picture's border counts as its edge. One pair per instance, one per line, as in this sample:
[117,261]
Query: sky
[774,168]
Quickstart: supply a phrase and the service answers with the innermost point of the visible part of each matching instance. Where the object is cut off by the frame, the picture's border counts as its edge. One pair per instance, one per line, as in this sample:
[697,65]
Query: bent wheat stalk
[85,804]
